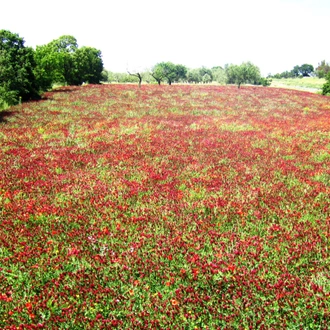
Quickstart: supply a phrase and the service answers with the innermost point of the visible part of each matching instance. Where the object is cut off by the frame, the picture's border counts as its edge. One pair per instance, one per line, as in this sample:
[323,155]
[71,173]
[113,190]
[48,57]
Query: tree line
[305,70]
[25,73]
[168,72]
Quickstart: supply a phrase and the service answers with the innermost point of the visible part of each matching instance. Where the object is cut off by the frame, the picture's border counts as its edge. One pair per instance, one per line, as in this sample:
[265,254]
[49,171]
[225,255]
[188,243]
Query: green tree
[61,61]
[17,79]
[323,69]
[55,62]
[326,86]
[246,73]
[169,71]
[295,72]
[219,75]
[206,74]
[49,67]
[206,78]
[181,72]
[106,75]
[306,70]
[87,66]
[157,73]
[193,76]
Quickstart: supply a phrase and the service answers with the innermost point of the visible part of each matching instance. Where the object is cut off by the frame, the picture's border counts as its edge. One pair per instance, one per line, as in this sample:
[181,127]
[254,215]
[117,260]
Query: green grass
[312,84]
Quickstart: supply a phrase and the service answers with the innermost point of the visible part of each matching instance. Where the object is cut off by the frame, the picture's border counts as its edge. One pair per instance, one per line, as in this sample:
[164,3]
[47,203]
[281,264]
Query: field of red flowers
[179,207]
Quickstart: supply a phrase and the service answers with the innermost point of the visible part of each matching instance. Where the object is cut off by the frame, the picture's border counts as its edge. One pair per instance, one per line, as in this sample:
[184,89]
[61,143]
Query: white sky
[275,35]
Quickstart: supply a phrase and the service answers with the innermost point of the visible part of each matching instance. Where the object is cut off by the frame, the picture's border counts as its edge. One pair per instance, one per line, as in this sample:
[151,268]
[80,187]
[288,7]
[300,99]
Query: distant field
[166,207]
[308,84]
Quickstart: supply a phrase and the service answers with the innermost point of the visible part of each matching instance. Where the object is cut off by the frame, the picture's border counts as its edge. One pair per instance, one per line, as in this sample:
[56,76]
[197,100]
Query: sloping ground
[308,84]
[166,207]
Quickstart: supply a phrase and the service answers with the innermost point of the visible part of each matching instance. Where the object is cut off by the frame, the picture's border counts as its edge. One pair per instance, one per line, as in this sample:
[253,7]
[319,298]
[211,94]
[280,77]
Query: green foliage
[17,79]
[295,72]
[326,86]
[169,71]
[55,62]
[265,82]
[304,70]
[219,75]
[157,73]
[323,69]
[206,78]
[307,84]
[200,75]
[105,75]
[121,77]
[61,61]
[193,76]
[88,65]
[246,73]
[205,75]
[180,72]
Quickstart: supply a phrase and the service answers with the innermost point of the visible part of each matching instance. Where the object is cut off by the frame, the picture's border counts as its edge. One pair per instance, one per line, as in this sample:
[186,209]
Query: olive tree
[168,71]
[246,73]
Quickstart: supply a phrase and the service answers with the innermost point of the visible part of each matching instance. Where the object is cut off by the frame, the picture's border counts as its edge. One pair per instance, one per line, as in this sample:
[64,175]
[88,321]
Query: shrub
[326,86]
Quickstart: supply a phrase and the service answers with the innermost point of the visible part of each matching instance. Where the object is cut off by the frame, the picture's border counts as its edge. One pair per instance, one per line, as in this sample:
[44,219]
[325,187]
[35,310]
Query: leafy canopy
[169,71]
[17,79]
[246,73]
[61,61]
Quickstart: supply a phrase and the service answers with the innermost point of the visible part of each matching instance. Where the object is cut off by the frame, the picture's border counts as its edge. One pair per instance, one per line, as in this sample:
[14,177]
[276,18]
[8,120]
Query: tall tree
[88,66]
[66,46]
[55,62]
[61,61]
[17,79]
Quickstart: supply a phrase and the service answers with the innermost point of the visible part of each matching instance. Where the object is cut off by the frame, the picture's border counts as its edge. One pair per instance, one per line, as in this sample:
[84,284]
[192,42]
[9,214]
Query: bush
[265,82]
[326,86]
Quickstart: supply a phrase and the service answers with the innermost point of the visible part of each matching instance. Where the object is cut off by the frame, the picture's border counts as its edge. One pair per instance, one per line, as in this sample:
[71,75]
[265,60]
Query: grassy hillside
[311,84]
[176,207]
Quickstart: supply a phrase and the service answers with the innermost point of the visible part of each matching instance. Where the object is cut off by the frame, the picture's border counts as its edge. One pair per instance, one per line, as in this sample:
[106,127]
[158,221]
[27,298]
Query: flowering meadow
[165,207]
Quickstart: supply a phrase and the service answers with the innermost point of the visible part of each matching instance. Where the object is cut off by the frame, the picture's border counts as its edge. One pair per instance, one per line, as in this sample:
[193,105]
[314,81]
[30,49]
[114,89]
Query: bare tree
[138,75]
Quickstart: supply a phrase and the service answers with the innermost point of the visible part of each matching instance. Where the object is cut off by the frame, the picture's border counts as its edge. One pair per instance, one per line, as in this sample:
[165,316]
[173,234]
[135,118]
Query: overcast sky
[275,35]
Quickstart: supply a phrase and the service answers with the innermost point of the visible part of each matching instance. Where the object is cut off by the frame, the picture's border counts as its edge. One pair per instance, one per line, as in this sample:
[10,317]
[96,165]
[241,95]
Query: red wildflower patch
[166,207]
